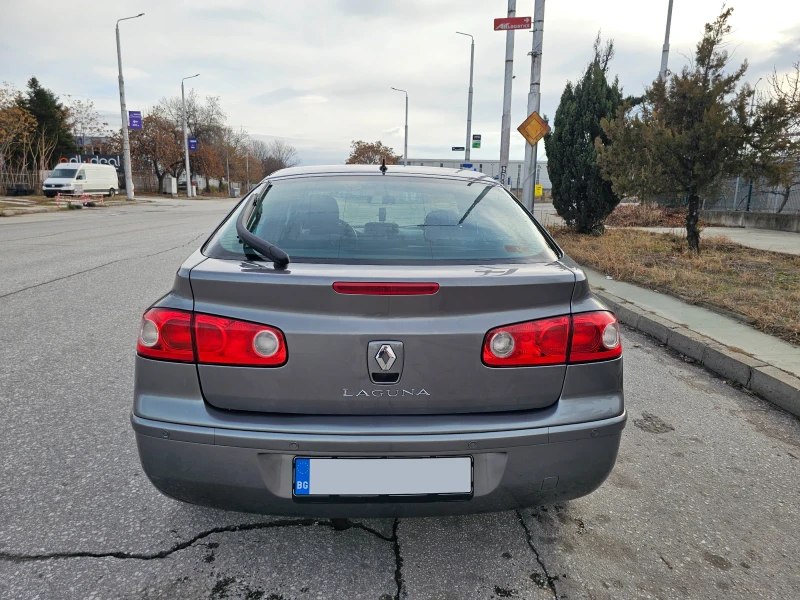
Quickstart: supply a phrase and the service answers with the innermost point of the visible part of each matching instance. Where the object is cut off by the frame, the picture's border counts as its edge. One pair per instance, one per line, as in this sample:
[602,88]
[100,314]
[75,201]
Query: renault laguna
[378,341]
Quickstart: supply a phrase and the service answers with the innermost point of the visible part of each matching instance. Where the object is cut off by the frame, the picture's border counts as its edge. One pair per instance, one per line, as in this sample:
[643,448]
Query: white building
[490,167]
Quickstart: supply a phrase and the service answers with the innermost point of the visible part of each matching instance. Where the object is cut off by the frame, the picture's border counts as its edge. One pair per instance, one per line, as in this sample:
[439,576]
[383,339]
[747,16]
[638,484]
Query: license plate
[382,476]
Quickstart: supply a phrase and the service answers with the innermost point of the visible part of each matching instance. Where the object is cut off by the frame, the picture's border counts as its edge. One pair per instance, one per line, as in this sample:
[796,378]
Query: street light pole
[405,143]
[534,101]
[665,52]
[228,171]
[505,129]
[469,102]
[126,145]
[189,190]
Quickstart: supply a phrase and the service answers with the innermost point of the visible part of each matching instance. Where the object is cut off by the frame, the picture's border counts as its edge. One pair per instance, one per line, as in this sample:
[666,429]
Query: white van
[76,178]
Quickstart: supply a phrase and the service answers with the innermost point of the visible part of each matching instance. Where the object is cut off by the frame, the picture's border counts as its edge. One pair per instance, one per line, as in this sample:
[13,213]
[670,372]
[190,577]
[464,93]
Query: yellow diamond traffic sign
[534,128]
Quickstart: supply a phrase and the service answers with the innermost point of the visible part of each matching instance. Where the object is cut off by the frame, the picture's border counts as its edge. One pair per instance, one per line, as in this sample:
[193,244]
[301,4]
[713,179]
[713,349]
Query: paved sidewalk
[759,362]
[725,330]
[762,239]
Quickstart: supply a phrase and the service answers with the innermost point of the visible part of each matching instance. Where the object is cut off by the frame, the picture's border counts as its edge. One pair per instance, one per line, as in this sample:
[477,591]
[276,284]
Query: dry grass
[763,287]
[646,215]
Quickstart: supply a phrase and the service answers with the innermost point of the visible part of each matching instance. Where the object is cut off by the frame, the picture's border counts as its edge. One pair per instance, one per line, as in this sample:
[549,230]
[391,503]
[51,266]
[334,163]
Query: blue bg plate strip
[302,476]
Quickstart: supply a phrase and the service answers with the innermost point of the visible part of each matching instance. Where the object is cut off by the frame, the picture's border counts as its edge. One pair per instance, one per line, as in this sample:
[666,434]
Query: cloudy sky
[318,74]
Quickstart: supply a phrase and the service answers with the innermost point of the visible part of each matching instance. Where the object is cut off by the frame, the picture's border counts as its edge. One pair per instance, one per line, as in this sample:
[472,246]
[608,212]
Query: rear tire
[112,192]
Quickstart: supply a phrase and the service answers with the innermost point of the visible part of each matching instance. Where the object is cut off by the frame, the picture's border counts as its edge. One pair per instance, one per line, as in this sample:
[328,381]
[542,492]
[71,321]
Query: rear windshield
[64,172]
[383,219]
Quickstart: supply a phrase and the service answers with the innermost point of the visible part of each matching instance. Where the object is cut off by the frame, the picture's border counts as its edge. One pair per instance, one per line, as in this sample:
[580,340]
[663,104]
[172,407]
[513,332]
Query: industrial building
[490,167]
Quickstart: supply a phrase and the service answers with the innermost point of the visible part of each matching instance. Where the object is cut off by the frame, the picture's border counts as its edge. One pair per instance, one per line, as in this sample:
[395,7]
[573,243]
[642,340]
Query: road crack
[113,262]
[335,524]
[398,562]
[550,581]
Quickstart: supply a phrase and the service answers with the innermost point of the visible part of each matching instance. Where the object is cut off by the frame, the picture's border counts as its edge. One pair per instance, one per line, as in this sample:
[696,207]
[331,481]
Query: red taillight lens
[595,336]
[223,341]
[166,334]
[542,342]
[387,289]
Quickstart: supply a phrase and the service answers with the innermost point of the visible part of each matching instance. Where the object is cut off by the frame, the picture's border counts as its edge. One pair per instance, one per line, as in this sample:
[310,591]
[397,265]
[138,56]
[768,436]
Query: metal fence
[736,195]
[31,179]
[144,181]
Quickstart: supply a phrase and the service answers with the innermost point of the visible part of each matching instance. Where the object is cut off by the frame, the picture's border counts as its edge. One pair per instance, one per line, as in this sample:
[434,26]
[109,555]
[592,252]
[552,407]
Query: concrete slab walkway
[762,239]
[725,330]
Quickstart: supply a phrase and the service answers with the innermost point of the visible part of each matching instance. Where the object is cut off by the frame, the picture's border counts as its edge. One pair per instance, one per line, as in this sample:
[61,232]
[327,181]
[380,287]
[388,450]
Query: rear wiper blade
[269,251]
[480,197]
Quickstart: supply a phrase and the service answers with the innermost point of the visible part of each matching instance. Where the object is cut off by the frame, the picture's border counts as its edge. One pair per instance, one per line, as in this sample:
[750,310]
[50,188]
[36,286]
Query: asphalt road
[703,502]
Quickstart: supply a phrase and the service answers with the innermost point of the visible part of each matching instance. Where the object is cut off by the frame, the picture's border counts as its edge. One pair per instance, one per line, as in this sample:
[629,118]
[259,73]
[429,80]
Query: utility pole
[405,143]
[189,190]
[534,104]
[665,52]
[468,145]
[505,131]
[126,145]
[247,167]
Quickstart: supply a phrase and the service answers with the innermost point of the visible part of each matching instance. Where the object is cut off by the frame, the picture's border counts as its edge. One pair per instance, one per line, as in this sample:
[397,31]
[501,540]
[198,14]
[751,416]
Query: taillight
[594,336]
[166,334]
[223,341]
[542,342]
[387,289]
[175,335]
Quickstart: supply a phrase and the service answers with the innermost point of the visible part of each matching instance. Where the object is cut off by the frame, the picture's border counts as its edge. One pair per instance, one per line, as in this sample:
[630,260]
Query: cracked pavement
[703,502]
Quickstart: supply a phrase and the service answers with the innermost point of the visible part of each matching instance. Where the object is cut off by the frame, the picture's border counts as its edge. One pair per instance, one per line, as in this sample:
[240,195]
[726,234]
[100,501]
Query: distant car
[428,349]
[70,179]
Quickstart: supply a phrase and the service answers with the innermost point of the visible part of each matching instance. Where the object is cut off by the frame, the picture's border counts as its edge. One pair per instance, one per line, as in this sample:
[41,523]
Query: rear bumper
[251,471]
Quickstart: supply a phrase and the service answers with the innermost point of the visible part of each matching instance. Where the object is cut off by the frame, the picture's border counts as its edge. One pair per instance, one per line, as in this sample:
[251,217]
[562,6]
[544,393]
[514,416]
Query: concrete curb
[772,384]
[14,212]
[34,210]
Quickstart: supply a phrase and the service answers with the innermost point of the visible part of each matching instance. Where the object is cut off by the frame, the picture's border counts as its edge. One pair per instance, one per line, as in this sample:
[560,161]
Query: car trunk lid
[337,342]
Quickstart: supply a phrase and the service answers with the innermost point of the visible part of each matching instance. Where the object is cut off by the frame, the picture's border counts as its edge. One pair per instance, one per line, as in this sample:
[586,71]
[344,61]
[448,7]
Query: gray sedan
[378,341]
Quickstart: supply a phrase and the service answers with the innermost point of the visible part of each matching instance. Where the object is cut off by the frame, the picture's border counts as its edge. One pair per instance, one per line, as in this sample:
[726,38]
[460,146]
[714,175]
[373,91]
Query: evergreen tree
[693,130]
[580,194]
[51,117]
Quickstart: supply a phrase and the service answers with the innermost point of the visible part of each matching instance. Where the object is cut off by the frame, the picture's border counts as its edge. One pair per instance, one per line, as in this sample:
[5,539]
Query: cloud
[784,53]
[312,99]
[394,131]
[236,15]
[280,95]
[318,74]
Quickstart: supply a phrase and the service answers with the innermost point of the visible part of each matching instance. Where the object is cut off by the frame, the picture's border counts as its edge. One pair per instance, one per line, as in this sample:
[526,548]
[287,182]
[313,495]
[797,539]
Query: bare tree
[281,156]
[366,153]
[274,155]
[203,119]
[157,146]
[786,90]
[84,120]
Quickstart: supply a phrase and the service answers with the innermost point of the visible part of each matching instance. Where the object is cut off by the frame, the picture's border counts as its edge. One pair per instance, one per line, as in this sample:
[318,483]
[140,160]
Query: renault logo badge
[385,357]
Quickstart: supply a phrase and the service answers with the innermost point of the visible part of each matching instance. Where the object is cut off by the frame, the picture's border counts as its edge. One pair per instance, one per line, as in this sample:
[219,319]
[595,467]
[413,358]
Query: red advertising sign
[512,23]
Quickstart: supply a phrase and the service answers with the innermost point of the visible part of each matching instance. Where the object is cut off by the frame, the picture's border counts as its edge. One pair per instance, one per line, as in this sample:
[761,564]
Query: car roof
[375,170]
[78,165]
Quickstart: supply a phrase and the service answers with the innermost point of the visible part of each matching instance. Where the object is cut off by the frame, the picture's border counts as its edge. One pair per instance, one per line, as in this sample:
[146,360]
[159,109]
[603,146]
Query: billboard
[114,160]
